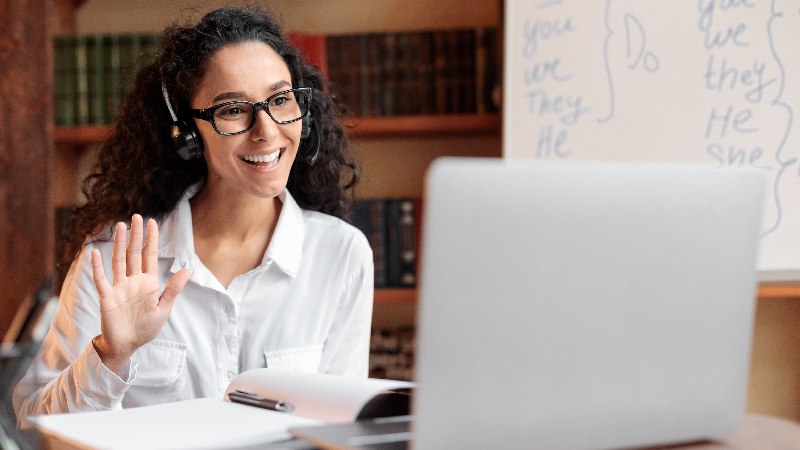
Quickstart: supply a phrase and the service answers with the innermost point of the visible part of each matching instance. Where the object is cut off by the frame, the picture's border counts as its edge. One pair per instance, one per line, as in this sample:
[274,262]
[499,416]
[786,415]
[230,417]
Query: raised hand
[132,312]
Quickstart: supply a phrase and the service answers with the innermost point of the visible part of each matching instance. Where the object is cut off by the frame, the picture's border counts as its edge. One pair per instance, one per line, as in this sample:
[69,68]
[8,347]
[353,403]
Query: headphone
[188,143]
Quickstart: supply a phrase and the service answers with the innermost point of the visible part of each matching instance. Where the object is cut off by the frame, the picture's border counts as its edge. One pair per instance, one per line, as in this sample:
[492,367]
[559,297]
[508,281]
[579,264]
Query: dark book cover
[425,98]
[466,77]
[388,77]
[112,62]
[401,243]
[64,80]
[376,106]
[96,80]
[81,82]
[440,72]
[364,76]
[369,216]
[403,74]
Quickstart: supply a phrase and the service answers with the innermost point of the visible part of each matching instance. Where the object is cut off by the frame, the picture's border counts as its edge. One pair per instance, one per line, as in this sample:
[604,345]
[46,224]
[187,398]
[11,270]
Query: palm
[132,312]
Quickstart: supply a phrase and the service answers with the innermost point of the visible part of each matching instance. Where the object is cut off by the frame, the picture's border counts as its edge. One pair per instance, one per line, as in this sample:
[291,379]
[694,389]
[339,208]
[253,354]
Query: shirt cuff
[101,387]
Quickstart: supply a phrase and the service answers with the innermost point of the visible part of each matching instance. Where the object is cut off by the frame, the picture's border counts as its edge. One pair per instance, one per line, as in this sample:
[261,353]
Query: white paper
[200,424]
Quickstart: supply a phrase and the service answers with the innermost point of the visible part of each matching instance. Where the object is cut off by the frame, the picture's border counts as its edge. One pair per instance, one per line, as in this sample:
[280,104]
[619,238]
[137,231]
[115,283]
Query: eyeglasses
[240,117]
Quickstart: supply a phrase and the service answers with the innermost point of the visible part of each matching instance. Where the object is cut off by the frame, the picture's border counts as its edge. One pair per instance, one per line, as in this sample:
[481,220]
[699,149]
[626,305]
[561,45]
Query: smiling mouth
[262,160]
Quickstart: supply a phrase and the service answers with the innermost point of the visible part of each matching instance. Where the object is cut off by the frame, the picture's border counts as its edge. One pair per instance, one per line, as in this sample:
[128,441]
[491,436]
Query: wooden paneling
[26,151]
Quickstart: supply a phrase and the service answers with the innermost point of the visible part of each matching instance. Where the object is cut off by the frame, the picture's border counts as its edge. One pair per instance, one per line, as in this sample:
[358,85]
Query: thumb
[174,287]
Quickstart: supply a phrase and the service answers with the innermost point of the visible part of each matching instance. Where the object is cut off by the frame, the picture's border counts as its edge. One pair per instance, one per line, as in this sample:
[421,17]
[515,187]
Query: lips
[262,160]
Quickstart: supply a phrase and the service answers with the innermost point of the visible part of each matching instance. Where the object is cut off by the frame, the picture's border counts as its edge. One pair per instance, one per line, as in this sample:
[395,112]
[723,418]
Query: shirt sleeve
[349,336]
[67,374]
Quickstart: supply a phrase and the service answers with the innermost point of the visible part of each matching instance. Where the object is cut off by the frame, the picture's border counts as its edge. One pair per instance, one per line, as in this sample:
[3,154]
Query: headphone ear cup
[187,141]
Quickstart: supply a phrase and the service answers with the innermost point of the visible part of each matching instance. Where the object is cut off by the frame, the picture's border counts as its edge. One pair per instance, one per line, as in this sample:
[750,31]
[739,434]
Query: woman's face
[250,71]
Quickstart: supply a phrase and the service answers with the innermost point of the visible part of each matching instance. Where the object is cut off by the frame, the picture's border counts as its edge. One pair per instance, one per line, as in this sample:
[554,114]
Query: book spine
[136,57]
[352,72]
[454,72]
[126,62]
[403,74]
[408,243]
[81,82]
[467,74]
[64,85]
[440,72]
[369,217]
[363,72]
[97,107]
[480,70]
[493,71]
[388,81]
[113,78]
[393,242]
[374,71]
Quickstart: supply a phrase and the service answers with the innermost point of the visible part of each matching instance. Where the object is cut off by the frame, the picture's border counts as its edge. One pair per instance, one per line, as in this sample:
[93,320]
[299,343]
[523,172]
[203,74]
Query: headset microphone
[186,138]
[310,128]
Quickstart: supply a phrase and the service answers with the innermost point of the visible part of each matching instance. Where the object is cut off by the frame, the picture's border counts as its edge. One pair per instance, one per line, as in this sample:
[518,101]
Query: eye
[231,112]
[281,101]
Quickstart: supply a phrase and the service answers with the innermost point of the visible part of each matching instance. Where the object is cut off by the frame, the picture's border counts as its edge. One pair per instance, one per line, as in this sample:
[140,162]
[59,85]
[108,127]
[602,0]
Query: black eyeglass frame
[208,113]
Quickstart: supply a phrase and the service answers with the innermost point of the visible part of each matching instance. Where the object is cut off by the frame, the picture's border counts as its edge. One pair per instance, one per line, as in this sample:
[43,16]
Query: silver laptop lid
[584,306]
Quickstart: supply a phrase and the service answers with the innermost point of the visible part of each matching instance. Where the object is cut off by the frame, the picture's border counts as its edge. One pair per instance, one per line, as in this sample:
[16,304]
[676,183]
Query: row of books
[93,73]
[375,74]
[391,226]
[436,72]
[391,353]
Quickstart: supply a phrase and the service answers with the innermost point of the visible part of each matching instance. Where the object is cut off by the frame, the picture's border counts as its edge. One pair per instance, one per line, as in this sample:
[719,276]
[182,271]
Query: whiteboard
[703,81]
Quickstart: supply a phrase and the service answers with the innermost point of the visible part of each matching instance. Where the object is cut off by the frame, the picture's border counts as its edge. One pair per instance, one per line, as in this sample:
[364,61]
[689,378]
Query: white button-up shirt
[306,307]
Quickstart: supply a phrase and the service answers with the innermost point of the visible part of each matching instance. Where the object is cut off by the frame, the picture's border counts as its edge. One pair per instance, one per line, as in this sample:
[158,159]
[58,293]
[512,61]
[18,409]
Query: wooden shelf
[83,135]
[449,124]
[779,292]
[395,295]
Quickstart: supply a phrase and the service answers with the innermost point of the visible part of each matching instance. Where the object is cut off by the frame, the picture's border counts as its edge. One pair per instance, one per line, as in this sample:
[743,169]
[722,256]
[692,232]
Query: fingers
[150,254]
[174,287]
[118,265]
[99,274]
[134,252]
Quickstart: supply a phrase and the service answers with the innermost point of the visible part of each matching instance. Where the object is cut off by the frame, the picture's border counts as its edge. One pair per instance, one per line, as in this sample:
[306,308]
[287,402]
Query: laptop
[582,306]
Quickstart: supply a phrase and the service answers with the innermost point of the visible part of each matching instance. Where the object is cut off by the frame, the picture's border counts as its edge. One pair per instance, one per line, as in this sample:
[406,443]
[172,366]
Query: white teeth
[263,158]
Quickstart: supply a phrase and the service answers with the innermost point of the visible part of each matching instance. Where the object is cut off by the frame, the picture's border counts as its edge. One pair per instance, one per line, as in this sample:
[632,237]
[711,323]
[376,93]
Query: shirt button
[229,375]
[227,307]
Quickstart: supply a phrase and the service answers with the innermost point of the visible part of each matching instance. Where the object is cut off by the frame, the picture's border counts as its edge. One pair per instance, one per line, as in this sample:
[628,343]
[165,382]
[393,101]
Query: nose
[265,128]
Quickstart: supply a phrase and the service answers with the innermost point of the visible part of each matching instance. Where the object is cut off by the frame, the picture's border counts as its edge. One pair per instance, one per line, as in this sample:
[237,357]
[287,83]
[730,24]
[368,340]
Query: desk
[758,433]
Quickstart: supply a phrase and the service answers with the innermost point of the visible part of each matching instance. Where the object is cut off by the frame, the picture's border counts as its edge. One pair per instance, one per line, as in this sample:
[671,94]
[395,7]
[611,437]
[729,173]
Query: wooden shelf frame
[365,127]
[395,295]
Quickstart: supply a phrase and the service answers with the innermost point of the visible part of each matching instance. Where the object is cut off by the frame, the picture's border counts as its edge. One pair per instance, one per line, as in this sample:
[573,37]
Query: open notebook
[216,424]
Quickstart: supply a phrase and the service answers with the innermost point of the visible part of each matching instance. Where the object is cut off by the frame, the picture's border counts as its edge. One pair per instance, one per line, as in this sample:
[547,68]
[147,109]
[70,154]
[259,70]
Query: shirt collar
[286,245]
[176,239]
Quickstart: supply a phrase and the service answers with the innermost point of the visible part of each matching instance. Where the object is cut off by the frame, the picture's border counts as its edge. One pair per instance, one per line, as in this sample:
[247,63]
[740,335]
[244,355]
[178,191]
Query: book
[400,243]
[64,85]
[112,63]
[209,423]
[96,82]
[81,81]
[388,82]
[369,217]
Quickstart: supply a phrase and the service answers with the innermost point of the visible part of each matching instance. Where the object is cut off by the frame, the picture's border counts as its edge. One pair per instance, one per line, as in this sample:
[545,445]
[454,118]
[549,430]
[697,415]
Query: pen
[246,398]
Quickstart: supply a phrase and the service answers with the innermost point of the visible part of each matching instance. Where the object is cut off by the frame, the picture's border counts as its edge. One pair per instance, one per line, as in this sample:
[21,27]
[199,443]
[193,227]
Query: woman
[256,265]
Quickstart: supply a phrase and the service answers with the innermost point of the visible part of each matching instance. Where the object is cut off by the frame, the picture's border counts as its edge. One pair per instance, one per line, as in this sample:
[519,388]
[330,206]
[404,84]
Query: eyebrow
[239,94]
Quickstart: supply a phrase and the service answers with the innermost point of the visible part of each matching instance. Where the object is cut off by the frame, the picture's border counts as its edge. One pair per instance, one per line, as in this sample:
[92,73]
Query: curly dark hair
[138,169]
